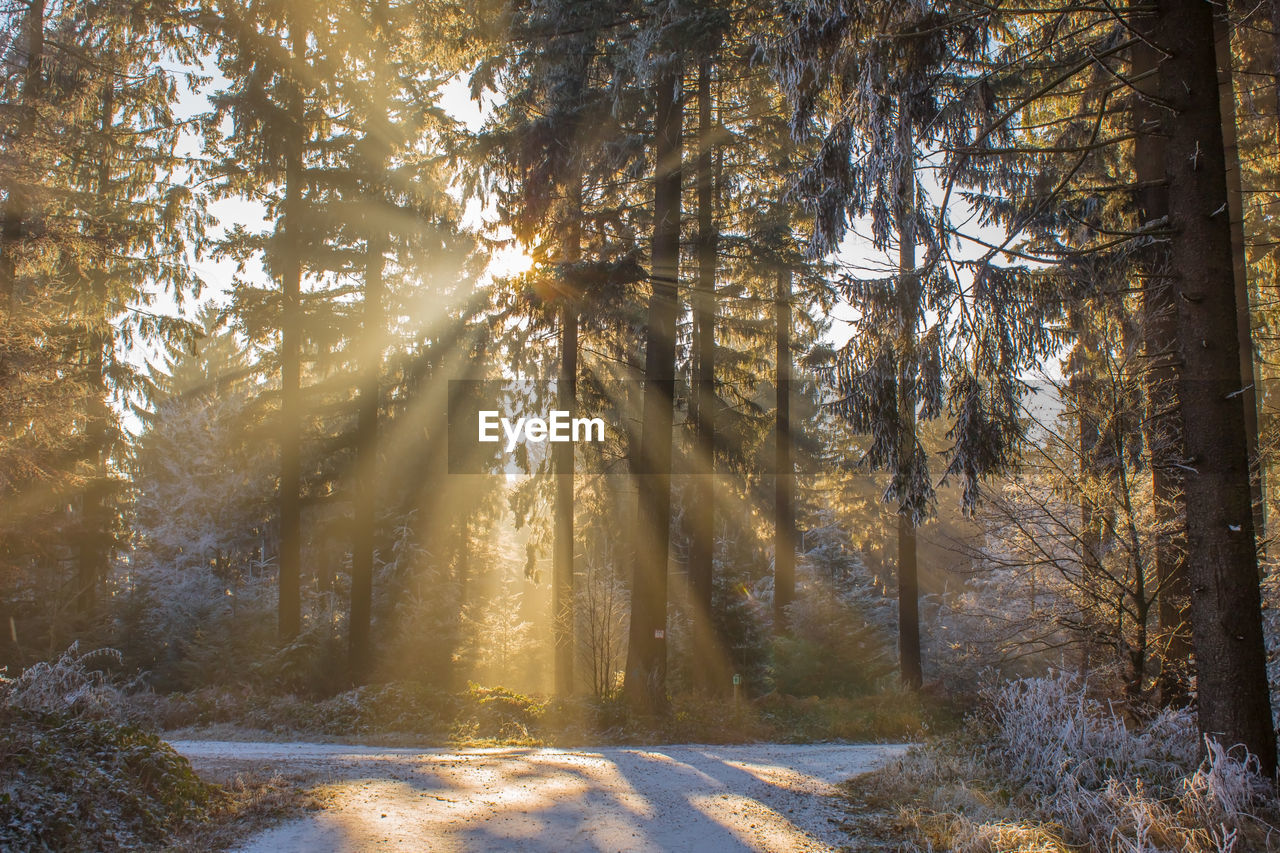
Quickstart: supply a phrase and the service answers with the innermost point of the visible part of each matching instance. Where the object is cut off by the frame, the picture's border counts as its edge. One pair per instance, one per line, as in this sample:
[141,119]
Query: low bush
[409,712]
[494,713]
[832,649]
[75,776]
[892,715]
[1044,767]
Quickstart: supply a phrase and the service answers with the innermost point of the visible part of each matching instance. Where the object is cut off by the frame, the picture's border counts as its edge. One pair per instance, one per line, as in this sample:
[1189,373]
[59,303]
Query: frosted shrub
[1141,789]
[1066,772]
[66,685]
[1223,789]
[1056,739]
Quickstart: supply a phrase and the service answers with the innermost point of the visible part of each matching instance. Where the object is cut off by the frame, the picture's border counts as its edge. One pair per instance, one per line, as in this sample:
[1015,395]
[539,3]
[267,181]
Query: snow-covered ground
[716,799]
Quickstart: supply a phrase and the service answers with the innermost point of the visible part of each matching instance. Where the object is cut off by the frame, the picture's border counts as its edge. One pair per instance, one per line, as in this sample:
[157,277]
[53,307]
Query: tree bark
[93,553]
[910,665]
[289,617]
[1239,264]
[707,655]
[645,682]
[1222,565]
[784,479]
[562,604]
[365,512]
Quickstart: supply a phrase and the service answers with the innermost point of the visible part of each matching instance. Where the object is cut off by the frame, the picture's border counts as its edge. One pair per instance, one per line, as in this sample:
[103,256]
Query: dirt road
[715,799]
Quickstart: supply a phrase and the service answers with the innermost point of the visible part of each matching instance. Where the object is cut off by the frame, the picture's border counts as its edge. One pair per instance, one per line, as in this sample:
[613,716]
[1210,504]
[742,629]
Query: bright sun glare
[509,261]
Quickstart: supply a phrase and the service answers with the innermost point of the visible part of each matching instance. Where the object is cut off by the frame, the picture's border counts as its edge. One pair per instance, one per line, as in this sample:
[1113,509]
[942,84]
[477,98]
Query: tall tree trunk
[289,617]
[1222,565]
[365,511]
[784,479]
[702,535]
[94,557]
[1162,431]
[562,604]
[93,553]
[1239,263]
[16,204]
[645,683]
[910,666]
[378,141]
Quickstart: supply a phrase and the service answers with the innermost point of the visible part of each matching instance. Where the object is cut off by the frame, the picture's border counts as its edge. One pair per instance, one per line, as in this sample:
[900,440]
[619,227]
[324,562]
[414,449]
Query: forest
[553,374]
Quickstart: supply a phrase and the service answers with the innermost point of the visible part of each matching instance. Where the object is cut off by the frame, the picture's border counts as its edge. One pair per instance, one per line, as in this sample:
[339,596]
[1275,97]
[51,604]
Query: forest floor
[758,797]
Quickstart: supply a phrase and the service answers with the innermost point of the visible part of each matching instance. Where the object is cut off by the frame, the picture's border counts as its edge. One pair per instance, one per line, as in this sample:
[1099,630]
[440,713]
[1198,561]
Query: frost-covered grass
[1044,767]
[410,713]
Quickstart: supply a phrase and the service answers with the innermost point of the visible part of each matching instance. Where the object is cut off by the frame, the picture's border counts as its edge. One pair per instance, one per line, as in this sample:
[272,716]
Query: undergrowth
[1044,768]
[74,775]
[406,712]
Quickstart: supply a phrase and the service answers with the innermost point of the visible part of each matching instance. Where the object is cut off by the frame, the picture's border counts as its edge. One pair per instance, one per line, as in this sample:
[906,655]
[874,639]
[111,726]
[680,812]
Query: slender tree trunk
[1222,564]
[1139,651]
[702,513]
[910,665]
[16,204]
[290,559]
[94,557]
[93,553]
[1239,263]
[1162,431]
[562,604]
[365,511]
[784,479]
[377,139]
[646,675]
[1090,515]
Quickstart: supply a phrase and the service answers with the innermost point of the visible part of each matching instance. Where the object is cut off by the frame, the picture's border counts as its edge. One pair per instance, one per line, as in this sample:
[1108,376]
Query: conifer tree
[548,140]
[383,198]
[1160,427]
[276,102]
[702,397]
[1044,175]
[97,221]
[647,649]
[139,231]
[875,75]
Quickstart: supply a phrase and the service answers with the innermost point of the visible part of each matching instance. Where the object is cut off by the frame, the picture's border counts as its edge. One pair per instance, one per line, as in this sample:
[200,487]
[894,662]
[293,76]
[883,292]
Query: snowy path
[718,799]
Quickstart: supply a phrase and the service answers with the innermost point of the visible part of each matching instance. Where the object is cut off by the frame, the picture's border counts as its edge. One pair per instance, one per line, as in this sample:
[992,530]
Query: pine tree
[96,221]
[1161,429]
[546,140]
[872,74]
[275,106]
[1065,214]
[646,650]
[139,232]
[702,398]
[383,198]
